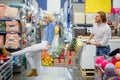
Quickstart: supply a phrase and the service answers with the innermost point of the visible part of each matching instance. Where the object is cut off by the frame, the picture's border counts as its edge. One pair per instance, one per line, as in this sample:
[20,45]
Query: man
[102,33]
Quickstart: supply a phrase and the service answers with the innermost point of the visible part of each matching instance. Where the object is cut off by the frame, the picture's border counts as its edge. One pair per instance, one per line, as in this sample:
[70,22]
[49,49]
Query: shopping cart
[59,55]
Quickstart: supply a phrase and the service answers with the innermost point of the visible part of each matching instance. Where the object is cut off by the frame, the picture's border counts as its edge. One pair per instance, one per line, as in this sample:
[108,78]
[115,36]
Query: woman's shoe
[5,52]
[32,73]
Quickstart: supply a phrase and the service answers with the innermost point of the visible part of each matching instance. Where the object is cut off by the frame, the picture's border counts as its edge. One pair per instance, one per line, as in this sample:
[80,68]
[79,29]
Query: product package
[1,40]
[12,26]
[2,10]
[2,26]
[79,18]
[12,40]
[11,12]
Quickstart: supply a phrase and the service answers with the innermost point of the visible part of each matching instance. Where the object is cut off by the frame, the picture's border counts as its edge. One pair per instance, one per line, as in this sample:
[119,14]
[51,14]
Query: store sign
[98,5]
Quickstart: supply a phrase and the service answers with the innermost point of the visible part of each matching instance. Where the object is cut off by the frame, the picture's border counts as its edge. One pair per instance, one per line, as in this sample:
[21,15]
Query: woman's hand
[46,48]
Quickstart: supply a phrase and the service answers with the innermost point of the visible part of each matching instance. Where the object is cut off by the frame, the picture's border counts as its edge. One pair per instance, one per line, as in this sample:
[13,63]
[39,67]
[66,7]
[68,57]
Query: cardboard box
[70,62]
[71,54]
[59,62]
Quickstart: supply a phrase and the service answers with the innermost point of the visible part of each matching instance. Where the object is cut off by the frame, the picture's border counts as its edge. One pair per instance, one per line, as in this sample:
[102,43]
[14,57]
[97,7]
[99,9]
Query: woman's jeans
[103,50]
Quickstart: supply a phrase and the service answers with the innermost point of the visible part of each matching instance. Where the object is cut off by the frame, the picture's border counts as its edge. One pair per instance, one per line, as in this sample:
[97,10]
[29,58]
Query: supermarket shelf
[9,19]
[82,25]
[4,32]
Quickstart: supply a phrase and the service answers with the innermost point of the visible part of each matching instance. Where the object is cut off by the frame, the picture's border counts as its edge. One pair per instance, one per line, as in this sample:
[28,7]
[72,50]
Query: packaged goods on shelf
[11,12]
[2,26]
[1,40]
[2,10]
[90,17]
[12,40]
[12,26]
[79,18]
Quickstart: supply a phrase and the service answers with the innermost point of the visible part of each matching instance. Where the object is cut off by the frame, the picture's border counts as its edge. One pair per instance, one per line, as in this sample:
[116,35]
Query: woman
[44,45]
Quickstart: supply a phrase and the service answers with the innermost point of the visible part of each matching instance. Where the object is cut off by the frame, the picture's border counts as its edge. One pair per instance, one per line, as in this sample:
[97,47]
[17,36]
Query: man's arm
[90,37]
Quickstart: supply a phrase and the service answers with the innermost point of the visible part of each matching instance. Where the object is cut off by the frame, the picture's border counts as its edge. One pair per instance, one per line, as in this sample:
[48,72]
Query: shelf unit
[10,49]
[11,32]
[6,70]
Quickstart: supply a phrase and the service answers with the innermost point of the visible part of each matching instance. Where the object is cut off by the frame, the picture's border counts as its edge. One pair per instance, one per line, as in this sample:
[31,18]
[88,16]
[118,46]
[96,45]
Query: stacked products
[11,38]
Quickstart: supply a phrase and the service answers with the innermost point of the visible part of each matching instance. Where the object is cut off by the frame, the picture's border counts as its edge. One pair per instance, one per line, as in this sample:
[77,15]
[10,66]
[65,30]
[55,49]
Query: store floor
[50,73]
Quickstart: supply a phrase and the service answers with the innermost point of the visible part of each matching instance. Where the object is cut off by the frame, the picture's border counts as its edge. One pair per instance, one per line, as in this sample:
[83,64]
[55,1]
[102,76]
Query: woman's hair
[103,16]
[49,16]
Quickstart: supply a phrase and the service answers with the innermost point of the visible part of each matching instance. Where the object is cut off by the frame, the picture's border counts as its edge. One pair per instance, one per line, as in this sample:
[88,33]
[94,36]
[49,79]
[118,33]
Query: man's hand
[87,42]
[46,48]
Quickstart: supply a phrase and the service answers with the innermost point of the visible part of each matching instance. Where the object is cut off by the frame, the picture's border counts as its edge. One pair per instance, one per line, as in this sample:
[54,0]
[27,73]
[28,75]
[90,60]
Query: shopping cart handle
[86,42]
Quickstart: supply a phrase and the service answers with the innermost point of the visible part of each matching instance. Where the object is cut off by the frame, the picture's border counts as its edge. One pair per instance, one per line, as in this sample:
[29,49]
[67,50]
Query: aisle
[45,73]
[48,73]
